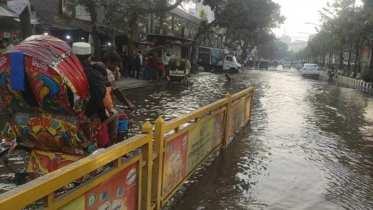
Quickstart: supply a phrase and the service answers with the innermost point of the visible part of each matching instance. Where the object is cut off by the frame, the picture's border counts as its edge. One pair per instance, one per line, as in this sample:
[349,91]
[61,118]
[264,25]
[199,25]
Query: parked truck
[217,59]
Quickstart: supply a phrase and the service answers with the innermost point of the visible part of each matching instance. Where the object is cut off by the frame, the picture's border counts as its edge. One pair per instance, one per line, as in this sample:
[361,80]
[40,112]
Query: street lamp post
[371,56]
[371,66]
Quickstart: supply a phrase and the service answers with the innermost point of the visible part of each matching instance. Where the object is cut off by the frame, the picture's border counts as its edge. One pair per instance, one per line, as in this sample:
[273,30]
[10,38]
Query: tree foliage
[273,50]
[248,23]
[345,28]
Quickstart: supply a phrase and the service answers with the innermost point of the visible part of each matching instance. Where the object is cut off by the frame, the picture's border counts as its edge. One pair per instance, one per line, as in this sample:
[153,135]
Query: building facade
[70,22]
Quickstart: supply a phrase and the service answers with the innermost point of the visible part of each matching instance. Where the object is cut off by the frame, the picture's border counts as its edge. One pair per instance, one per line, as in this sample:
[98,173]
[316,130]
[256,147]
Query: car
[287,64]
[264,65]
[311,70]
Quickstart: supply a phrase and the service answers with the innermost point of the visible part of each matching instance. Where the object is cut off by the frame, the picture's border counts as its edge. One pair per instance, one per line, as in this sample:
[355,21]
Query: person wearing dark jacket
[96,75]
[138,62]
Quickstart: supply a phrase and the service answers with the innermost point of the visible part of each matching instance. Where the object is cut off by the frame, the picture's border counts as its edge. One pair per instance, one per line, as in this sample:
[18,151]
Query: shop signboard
[365,54]
[14,32]
[4,34]
[17,5]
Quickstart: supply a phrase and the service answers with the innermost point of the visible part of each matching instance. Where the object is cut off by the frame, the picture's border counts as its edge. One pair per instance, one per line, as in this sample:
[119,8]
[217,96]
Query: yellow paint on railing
[175,123]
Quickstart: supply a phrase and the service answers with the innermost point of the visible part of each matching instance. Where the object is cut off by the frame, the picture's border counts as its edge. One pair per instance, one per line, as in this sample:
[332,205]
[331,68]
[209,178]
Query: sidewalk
[130,83]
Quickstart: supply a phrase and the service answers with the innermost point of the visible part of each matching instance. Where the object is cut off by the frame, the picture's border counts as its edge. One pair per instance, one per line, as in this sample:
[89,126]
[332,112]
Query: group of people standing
[150,64]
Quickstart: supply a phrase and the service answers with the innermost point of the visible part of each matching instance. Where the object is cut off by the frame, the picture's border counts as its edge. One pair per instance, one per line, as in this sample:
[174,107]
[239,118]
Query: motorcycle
[44,87]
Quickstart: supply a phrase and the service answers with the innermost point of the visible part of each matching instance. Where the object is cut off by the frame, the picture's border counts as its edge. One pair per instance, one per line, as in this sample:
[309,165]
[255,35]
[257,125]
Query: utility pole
[26,26]
[23,9]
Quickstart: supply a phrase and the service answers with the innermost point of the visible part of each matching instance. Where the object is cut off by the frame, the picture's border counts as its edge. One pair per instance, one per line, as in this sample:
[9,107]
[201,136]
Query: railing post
[157,177]
[227,118]
[146,175]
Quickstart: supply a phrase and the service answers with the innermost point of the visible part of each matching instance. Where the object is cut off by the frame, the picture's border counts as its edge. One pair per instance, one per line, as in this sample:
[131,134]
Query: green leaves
[346,27]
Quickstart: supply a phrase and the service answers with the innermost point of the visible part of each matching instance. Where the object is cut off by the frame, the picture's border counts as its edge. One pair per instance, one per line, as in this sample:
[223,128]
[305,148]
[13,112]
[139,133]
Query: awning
[55,27]
[32,20]
[165,39]
[145,43]
[4,13]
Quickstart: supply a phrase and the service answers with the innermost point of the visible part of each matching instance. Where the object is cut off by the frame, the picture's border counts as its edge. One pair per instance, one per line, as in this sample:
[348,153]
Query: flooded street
[309,144]
[308,147]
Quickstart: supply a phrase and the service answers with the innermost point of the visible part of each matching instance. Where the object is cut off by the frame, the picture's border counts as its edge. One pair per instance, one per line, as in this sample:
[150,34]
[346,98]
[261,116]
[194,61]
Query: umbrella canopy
[4,13]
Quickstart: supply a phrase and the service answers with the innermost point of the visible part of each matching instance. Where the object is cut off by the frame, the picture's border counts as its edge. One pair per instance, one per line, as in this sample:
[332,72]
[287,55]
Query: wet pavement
[309,144]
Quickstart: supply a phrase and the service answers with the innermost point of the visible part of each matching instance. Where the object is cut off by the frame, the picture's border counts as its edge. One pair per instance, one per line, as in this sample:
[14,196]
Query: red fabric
[102,135]
[153,62]
[160,66]
[96,132]
[122,115]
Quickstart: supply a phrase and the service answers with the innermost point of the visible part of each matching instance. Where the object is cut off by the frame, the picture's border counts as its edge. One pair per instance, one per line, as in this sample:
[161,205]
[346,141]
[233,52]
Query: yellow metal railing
[184,143]
[168,157]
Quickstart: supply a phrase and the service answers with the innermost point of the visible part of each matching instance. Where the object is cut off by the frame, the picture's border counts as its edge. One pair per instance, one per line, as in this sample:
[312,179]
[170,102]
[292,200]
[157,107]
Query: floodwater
[309,144]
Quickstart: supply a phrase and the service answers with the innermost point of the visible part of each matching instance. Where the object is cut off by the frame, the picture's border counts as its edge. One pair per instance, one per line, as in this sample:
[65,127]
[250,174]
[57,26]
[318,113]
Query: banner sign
[185,152]
[17,5]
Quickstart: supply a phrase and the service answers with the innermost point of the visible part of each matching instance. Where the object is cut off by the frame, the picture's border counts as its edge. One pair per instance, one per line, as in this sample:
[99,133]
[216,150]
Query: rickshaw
[178,70]
[178,73]
[44,88]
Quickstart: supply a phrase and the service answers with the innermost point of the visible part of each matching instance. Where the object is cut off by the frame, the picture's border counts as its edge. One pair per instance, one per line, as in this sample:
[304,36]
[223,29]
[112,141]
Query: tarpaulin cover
[17,73]
[55,76]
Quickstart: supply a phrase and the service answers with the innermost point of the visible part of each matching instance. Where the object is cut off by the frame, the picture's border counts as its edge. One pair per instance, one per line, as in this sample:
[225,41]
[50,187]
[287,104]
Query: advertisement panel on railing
[218,129]
[200,143]
[185,152]
[117,192]
[248,107]
[240,113]
[232,120]
[175,162]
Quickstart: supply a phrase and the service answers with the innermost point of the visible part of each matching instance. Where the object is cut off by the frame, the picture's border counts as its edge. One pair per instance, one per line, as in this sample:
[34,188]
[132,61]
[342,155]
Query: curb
[136,86]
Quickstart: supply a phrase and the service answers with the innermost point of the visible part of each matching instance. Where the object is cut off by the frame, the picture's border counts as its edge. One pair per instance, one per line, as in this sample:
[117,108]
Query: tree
[273,50]
[248,22]
[253,26]
[346,28]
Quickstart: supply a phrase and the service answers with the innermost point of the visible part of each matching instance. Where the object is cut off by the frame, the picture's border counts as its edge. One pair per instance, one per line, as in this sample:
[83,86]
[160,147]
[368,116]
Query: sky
[297,13]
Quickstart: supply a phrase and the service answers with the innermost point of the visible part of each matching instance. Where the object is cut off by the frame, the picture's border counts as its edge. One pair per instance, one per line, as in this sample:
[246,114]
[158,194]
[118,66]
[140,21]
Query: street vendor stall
[178,50]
